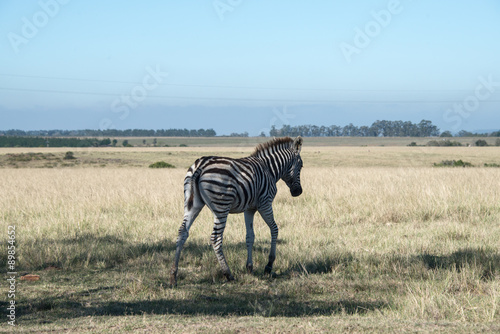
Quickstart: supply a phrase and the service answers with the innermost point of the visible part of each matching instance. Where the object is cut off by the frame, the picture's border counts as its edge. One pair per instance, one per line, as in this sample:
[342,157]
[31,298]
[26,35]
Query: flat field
[380,241]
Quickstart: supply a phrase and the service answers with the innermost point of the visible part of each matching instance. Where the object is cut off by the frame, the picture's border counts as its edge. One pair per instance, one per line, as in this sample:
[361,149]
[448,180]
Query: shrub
[69,156]
[161,164]
[461,163]
[453,163]
[481,142]
[446,142]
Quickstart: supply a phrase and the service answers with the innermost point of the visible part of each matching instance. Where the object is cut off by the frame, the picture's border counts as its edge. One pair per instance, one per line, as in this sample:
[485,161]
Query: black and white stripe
[246,185]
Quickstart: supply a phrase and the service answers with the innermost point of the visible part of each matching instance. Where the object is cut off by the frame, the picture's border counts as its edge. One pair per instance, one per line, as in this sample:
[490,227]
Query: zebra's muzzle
[296,191]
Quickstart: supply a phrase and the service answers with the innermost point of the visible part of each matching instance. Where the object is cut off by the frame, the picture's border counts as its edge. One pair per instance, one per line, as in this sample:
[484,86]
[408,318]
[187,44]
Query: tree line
[383,128]
[464,133]
[113,133]
[378,129]
[15,141]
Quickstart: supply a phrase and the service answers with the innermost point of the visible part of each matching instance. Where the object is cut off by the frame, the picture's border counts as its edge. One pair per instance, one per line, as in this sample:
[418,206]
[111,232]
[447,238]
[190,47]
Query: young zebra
[246,185]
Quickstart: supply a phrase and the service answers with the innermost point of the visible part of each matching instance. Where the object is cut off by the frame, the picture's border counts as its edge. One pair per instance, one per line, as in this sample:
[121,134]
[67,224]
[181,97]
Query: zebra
[247,185]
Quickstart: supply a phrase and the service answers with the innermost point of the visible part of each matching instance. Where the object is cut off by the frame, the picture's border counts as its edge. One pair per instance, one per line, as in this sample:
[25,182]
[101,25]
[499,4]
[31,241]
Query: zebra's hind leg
[216,241]
[267,215]
[189,217]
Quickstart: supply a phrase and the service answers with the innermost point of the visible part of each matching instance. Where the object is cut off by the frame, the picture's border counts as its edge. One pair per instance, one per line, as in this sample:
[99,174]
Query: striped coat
[248,185]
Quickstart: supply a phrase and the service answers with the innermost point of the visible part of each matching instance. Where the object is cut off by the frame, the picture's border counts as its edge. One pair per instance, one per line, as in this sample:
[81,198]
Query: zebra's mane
[284,142]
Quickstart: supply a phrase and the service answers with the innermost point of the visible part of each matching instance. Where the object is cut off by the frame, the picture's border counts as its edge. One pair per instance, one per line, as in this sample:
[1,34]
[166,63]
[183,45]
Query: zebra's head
[292,175]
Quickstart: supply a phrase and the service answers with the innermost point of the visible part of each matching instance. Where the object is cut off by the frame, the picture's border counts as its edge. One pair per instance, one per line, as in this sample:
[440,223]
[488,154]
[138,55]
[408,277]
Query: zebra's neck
[277,161]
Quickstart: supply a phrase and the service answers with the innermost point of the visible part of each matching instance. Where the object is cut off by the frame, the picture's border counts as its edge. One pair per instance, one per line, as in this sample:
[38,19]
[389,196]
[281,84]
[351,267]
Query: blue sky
[239,65]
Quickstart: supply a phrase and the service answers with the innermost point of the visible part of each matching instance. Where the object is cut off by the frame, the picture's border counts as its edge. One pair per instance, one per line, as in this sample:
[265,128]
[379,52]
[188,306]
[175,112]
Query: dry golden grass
[390,245]
[314,156]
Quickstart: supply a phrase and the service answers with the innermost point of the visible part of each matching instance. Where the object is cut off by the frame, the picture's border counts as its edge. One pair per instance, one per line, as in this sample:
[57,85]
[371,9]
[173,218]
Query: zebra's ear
[297,144]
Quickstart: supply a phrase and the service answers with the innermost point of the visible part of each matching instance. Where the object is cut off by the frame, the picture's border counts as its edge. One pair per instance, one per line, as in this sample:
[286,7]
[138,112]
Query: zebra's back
[226,184]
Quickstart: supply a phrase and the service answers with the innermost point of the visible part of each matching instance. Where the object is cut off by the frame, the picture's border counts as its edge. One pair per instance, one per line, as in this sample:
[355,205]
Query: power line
[238,87]
[235,98]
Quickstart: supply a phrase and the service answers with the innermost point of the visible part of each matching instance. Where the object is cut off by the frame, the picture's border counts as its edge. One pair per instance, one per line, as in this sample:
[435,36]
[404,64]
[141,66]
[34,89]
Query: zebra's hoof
[249,268]
[229,277]
[173,281]
[268,271]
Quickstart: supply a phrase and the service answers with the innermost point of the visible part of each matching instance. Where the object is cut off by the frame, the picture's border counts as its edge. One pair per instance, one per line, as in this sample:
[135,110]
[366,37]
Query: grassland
[380,241]
[183,157]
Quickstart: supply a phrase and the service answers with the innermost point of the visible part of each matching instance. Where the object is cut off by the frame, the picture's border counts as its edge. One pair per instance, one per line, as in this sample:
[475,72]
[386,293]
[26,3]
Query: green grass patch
[161,164]
[453,163]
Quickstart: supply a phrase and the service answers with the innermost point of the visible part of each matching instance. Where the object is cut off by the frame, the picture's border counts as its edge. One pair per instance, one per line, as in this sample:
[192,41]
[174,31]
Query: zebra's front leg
[249,215]
[216,241]
[267,215]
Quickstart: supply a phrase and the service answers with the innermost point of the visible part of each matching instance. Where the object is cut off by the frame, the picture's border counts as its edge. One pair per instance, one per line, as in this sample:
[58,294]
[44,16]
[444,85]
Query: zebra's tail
[191,187]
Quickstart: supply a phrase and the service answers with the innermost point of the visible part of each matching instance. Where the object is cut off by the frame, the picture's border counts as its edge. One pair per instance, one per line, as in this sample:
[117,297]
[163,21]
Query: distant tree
[463,133]
[273,132]
[376,129]
[105,142]
[210,133]
[349,130]
[125,143]
[364,131]
[115,142]
[427,129]
[446,134]
[243,134]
